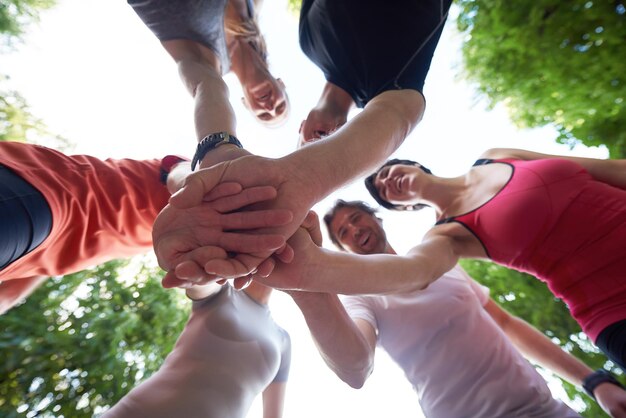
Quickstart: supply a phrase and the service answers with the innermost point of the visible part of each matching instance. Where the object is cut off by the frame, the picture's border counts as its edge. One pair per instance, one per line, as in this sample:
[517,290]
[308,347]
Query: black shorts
[25,217]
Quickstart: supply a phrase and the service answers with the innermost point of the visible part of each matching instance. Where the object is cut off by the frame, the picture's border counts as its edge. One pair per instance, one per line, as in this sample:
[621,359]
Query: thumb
[197,185]
[312,225]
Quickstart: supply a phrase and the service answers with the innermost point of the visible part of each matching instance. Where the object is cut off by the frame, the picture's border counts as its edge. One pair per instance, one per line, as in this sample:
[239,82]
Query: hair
[340,204]
[248,31]
[371,188]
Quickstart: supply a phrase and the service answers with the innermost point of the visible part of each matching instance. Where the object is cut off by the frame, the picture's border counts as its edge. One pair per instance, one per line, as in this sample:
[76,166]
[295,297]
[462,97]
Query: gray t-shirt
[458,359]
[229,352]
[195,20]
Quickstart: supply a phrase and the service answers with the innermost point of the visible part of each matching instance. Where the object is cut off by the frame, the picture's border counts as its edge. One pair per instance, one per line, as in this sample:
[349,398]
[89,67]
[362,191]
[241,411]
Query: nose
[355,232]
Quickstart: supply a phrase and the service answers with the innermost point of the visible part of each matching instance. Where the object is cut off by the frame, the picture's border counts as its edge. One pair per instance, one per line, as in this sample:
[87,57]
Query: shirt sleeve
[285,359]
[481,292]
[360,307]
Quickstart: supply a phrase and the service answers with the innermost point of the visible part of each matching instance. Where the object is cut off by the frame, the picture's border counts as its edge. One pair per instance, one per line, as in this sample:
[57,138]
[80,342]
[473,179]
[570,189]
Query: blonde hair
[248,31]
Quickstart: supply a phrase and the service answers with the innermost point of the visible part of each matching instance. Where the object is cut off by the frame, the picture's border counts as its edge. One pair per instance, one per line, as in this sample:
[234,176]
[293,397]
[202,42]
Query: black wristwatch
[591,382]
[210,142]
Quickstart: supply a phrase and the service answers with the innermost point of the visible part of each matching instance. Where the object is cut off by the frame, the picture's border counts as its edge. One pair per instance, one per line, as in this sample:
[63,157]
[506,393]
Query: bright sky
[96,75]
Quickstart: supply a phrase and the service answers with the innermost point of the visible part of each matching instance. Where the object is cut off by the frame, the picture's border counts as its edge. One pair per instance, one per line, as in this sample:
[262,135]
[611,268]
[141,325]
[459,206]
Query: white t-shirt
[458,359]
[229,352]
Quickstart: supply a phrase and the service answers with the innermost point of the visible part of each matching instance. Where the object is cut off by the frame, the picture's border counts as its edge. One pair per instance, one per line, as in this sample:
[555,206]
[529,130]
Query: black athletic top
[369,46]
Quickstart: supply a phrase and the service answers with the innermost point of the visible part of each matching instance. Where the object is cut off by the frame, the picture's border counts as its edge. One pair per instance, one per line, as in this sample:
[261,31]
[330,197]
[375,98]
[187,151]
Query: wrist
[598,378]
[210,143]
[222,153]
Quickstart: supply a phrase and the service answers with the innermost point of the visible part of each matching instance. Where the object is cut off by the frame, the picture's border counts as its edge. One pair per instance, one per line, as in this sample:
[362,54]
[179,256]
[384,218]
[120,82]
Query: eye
[341,233]
[264,116]
[281,108]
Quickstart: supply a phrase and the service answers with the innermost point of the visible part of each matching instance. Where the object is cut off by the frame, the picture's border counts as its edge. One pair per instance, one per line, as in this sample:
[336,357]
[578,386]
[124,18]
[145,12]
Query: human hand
[612,399]
[183,237]
[320,123]
[305,244]
[294,193]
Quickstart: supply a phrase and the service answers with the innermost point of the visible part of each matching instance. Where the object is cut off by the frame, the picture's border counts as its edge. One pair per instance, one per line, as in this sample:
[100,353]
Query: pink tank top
[554,221]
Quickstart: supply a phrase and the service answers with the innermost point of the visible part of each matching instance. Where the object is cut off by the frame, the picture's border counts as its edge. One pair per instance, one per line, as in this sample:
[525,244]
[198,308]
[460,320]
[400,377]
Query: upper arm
[368,332]
[436,255]
[498,314]
[407,105]
[274,400]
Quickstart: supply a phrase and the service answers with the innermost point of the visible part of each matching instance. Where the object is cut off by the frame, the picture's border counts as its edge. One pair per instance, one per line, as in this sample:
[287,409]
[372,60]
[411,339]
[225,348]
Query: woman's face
[267,101]
[397,183]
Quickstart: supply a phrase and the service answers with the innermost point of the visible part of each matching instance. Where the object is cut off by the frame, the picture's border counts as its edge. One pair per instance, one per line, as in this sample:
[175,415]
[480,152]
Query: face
[267,101]
[319,124]
[358,231]
[397,184]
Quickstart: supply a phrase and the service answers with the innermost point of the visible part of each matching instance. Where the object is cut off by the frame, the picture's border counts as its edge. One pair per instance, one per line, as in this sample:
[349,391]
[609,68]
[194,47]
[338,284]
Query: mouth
[364,239]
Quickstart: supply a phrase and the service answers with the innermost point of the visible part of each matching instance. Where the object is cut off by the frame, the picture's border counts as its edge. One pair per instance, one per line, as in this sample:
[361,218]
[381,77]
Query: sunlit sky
[96,75]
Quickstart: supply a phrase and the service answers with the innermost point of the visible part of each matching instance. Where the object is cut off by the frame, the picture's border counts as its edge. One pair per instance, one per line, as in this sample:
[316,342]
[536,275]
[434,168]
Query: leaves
[82,341]
[551,62]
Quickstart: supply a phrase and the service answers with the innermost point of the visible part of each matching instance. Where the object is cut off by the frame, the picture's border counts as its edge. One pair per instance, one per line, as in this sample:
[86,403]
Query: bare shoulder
[498,153]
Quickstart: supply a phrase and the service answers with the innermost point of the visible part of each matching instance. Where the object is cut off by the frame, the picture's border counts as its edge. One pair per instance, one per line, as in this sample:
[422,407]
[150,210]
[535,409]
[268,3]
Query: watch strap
[210,142]
[591,382]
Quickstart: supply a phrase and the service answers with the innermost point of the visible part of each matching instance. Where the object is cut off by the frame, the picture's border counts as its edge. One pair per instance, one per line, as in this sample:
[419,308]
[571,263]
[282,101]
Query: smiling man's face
[358,232]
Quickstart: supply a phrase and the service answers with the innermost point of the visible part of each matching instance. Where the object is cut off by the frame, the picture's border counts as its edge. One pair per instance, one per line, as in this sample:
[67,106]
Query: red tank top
[554,221]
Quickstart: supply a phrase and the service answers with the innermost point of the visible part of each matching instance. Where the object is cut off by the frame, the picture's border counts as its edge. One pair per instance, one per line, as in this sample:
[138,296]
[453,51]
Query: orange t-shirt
[101,210]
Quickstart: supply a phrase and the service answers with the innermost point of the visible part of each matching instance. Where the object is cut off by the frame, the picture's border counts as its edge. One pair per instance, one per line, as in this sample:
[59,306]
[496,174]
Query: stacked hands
[232,221]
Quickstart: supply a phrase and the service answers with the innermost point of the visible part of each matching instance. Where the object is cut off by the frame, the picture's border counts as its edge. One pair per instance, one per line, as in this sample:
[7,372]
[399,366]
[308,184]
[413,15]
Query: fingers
[249,244]
[285,254]
[170,281]
[244,198]
[256,219]
[266,268]
[312,224]
[229,269]
[223,190]
[241,283]
[197,185]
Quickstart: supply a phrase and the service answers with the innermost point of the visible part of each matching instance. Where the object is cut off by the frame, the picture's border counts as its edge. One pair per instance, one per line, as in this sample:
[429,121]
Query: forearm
[339,341]
[538,348]
[350,274]
[212,110]
[363,144]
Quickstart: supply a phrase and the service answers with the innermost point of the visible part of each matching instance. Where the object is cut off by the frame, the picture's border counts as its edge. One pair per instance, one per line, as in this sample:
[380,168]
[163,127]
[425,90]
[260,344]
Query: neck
[259,292]
[246,63]
[443,193]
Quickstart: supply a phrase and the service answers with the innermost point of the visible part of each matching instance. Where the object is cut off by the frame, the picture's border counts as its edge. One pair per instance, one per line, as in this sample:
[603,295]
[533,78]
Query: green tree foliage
[294,6]
[16,121]
[16,15]
[552,62]
[80,342]
[526,297]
